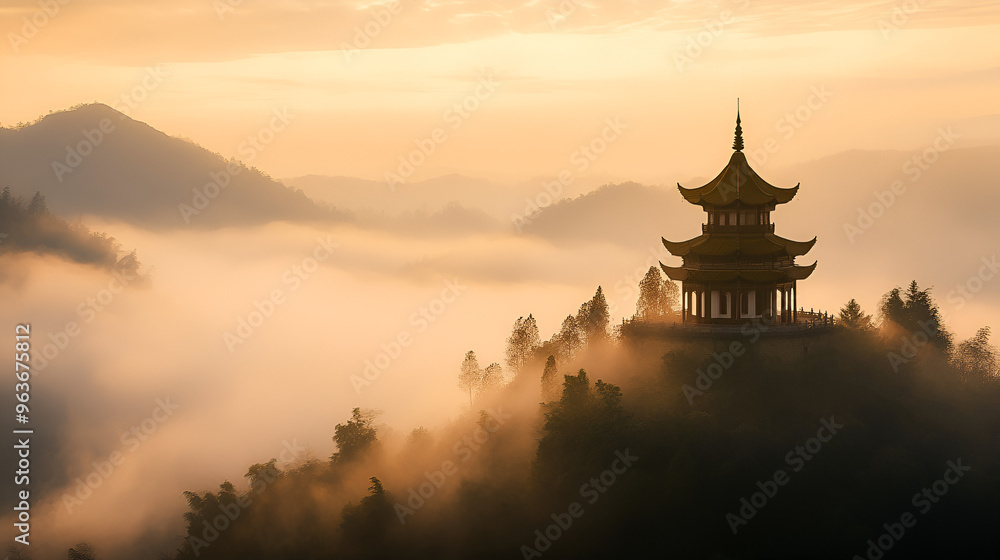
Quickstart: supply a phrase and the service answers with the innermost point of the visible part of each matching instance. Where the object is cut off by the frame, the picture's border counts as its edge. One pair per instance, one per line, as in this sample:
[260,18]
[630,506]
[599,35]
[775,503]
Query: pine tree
[976,359]
[550,381]
[852,317]
[522,342]
[594,316]
[470,375]
[37,205]
[570,338]
[915,311]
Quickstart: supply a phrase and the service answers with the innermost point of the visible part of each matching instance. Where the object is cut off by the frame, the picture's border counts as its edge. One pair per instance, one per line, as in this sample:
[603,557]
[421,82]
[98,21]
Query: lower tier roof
[755,276]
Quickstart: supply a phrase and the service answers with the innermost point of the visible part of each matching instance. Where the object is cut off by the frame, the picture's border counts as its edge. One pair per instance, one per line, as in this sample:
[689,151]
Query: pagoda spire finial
[738,141]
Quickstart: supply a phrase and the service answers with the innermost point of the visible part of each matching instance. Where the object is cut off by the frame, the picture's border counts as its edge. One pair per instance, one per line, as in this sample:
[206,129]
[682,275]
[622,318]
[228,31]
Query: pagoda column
[795,302]
[782,320]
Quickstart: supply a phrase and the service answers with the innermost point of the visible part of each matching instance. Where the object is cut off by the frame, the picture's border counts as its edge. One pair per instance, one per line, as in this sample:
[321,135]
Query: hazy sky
[876,74]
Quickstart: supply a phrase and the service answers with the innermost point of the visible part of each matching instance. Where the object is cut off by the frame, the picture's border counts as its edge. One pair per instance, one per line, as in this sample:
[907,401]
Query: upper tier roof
[738,182]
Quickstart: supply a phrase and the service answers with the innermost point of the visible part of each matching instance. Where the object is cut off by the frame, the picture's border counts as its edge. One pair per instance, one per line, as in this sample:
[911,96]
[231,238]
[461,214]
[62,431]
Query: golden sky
[364,81]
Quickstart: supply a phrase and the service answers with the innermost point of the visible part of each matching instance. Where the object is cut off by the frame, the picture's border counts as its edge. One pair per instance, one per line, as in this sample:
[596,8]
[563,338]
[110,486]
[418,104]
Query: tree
[37,205]
[570,338]
[366,523]
[470,375]
[915,311]
[658,297]
[581,429]
[522,342]
[550,382]
[355,437]
[852,317]
[492,382]
[82,551]
[976,359]
[593,317]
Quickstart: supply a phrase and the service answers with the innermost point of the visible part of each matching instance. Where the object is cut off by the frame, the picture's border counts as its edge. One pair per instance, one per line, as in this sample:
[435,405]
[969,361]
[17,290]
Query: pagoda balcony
[745,228]
[743,264]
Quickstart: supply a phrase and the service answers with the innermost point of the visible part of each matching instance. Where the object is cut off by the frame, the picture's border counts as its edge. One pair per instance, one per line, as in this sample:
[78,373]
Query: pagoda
[737,269]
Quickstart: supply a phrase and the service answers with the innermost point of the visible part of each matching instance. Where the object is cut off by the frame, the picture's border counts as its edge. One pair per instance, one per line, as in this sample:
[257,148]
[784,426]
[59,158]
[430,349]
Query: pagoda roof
[753,245]
[754,276]
[738,182]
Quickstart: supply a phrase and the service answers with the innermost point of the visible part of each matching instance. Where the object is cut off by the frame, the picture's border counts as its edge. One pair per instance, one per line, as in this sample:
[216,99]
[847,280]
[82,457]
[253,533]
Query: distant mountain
[940,224]
[628,214]
[95,160]
[376,198]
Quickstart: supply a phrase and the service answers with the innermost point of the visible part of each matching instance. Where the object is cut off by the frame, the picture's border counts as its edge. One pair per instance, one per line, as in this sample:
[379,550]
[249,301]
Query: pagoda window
[732,218]
[711,218]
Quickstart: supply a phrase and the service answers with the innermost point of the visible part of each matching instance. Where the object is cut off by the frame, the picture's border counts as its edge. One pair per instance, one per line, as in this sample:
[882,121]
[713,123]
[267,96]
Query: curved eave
[675,273]
[681,248]
[744,275]
[753,190]
[801,272]
[752,245]
[794,248]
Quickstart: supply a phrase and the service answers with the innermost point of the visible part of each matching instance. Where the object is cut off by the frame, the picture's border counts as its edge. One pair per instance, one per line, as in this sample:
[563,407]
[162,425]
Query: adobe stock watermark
[464,450]
[627,288]
[33,24]
[923,500]
[213,528]
[592,491]
[790,123]
[75,154]
[454,117]
[914,168]
[224,7]
[131,440]
[697,43]
[94,137]
[292,277]
[796,460]
[911,343]
[580,161]
[898,17]
[381,16]
[249,149]
[87,311]
[561,13]
[131,99]
[420,320]
[974,284]
[705,378]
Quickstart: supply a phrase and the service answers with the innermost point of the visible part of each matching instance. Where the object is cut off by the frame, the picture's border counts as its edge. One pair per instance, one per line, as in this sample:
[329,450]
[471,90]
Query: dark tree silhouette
[570,338]
[32,228]
[593,317]
[550,381]
[915,311]
[852,317]
[365,524]
[976,359]
[82,551]
[355,437]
